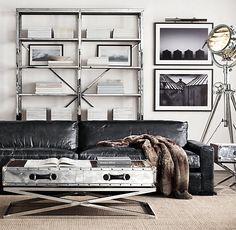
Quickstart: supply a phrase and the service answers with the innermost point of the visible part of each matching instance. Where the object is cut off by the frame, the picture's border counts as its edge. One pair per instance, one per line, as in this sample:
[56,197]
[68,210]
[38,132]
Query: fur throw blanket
[169,158]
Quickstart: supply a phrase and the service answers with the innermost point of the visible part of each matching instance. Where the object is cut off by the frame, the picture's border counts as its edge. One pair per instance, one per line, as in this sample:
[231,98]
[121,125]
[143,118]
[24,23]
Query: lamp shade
[221,41]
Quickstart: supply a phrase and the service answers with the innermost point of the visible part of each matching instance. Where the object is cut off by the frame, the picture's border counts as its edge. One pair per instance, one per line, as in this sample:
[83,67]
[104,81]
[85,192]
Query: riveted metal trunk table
[106,189]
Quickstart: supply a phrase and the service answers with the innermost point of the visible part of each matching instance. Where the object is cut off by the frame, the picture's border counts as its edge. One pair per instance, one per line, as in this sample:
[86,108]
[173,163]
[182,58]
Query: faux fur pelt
[168,157]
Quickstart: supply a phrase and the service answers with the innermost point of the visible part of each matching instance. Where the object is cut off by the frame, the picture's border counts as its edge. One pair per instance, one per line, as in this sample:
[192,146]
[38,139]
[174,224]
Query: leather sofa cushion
[42,134]
[193,160]
[134,154]
[34,153]
[92,153]
[94,131]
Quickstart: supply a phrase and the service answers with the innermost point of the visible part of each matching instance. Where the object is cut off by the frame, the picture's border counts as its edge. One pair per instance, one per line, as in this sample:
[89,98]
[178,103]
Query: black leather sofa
[43,139]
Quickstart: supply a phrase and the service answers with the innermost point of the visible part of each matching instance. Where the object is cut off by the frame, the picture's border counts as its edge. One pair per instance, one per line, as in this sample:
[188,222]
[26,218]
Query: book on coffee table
[113,161]
[54,162]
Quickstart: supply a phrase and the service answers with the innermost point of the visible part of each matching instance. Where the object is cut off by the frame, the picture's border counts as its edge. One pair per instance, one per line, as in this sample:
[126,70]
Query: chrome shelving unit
[78,94]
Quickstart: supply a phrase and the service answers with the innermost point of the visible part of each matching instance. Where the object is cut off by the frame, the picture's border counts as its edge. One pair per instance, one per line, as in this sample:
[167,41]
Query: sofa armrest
[206,155]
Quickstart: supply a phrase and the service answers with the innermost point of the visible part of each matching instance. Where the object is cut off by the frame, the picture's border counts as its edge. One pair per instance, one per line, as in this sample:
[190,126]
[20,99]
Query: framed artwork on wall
[183,89]
[118,55]
[181,43]
[39,54]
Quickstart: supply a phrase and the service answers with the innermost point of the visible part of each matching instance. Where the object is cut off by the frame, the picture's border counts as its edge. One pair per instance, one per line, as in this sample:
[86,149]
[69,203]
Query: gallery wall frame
[118,55]
[181,43]
[39,54]
[183,89]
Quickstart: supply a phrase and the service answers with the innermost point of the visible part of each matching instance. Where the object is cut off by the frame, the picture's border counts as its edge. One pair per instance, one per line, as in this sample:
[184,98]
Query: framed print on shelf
[118,55]
[183,89]
[39,54]
[181,43]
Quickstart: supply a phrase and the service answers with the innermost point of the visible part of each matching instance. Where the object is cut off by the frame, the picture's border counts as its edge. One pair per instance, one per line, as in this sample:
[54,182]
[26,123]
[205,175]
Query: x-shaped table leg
[92,203]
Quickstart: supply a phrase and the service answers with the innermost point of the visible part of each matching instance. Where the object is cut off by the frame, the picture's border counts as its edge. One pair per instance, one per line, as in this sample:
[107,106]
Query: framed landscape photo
[183,89]
[39,54]
[118,55]
[181,43]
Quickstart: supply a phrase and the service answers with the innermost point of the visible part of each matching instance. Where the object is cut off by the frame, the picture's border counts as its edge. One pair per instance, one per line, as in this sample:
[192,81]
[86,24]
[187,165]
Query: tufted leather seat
[44,139]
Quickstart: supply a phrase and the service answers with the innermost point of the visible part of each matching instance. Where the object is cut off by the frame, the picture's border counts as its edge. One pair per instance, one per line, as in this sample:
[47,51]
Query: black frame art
[181,43]
[39,53]
[183,89]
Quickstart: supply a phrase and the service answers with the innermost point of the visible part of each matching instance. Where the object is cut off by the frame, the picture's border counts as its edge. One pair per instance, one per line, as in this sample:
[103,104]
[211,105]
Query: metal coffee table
[54,192]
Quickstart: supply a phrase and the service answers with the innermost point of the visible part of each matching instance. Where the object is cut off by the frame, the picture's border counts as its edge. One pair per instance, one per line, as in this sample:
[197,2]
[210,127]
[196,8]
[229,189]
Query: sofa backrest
[93,131]
[39,134]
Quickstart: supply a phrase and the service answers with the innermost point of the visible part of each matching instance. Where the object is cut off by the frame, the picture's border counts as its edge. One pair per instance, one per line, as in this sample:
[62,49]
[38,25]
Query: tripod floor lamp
[222,42]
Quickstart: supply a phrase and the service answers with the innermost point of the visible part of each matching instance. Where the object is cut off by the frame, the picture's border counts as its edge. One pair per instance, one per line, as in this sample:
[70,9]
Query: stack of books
[124,113]
[98,33]
[113,162]
[60,61]
[63,33]
[123,33]
[110,87]
[36,114]
[98,61]
[96,114]
[48,87]
[40,32]
[61,114]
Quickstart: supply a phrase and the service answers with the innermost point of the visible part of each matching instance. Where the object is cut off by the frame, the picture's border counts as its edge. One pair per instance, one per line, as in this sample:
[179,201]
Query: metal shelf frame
[78,95]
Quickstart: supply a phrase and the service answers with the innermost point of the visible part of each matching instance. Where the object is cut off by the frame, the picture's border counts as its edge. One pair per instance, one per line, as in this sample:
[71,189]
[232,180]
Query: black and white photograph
[182,44]
[40,54]
[182,89]
[118,55]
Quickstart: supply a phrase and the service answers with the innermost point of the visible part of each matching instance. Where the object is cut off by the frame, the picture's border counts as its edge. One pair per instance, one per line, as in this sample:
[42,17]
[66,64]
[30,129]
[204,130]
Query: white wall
[216,11]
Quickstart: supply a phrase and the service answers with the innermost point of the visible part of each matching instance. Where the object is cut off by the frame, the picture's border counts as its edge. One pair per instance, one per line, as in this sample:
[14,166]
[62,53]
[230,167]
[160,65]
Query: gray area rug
[202,212]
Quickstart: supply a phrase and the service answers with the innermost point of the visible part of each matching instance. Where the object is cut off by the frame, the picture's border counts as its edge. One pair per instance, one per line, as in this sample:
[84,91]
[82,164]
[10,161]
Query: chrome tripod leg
[218,96]
[228,119]
[233,101]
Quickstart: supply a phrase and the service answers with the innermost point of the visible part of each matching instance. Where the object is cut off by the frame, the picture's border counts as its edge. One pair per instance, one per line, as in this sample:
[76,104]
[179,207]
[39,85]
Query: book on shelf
[48,87]
[61,114]
[110,87]
[96,114]
[60,61]
[123,113]
[32,113]
[55,162]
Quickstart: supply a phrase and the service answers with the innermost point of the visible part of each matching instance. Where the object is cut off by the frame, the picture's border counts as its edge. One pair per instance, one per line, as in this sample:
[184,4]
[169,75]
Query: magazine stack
[61,114]
[48,87]
[60,61]
[123,113]
[110,87]
[36,114]
[96,114]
